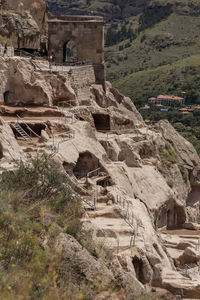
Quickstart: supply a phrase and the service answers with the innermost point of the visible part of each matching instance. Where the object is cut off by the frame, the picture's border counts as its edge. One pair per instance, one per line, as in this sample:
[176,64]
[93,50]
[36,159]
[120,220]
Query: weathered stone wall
[82,76]
[87,33]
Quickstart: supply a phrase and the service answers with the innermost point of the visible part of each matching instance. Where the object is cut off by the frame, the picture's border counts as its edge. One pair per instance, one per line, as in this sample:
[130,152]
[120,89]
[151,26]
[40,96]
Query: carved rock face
[37,8]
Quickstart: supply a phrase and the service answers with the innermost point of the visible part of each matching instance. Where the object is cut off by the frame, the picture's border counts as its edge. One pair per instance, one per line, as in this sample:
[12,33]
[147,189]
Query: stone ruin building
[85,35]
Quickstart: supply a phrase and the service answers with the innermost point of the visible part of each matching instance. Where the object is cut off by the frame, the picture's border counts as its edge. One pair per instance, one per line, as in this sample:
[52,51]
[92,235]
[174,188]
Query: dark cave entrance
[1,152]
[138,266]
[172,217]
[6,98]
[37,128]
[86,163]
[101,122]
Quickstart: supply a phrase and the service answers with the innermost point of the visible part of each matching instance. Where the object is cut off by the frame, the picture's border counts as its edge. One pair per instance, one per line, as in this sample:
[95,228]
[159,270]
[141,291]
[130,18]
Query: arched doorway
[69,52]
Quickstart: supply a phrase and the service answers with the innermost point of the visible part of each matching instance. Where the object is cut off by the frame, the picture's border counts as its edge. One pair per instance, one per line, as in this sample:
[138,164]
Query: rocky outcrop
[36,8]
[9,148]
[23,22]
[20,28]
[71,250]
[36,89]
[142,177]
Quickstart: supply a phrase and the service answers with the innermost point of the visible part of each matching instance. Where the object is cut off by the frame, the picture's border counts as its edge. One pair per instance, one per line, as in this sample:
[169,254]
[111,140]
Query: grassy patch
[170,183]
[35,206]
[184,172]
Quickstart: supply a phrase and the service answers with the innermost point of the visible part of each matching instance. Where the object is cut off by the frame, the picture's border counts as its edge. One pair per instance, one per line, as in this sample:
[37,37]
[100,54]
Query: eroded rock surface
[143,178]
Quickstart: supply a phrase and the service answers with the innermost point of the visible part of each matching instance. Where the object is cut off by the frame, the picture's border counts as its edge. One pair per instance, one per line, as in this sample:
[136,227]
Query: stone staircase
[109,226]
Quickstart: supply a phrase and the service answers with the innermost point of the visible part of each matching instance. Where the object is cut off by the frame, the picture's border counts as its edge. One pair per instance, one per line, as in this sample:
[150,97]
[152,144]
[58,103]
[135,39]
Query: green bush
[170,183]
[184,172]
[168,154]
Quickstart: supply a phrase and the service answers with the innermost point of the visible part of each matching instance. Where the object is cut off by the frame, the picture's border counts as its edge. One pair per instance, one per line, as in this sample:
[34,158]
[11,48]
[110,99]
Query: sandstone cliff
[144,178]
[36,8]
[23,22]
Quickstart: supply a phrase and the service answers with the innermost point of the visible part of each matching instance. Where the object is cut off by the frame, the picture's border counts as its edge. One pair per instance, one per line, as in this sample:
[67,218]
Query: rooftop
[169,97]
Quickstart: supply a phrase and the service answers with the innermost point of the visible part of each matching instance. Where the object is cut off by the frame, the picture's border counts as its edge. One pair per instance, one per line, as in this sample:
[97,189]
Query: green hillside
[173,37]
[173,78]
[111,9]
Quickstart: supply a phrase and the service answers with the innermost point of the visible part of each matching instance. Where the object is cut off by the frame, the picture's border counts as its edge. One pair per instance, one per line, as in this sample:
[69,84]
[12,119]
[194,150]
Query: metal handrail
[74,184]
[57,145]
[91,172]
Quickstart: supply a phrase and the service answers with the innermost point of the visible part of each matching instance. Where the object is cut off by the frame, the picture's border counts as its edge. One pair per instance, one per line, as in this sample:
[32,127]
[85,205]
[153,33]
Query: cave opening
[86,163]
[36,127]
[172,217]
[138,266]
[101,122]
[6,98]
[1,151]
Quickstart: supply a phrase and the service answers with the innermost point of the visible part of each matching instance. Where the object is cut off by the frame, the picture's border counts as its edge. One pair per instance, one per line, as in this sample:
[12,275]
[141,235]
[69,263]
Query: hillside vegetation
[35,207]
[37,210]
[162,38]
[111,9]
[171,78]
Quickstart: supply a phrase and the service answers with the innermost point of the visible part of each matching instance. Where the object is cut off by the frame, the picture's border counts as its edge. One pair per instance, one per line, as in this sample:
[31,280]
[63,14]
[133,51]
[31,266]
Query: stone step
[107,212]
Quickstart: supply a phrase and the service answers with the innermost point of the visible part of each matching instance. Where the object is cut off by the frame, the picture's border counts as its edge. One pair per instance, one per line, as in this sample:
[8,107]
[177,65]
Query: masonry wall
[88,37]
[82,76]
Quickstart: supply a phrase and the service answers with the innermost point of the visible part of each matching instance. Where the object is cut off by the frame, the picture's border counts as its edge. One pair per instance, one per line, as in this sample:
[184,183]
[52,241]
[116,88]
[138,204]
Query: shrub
[170,183]
[184,172]
[168,154]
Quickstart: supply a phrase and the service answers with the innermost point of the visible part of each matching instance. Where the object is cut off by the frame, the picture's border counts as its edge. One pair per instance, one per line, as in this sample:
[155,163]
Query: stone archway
[70,51]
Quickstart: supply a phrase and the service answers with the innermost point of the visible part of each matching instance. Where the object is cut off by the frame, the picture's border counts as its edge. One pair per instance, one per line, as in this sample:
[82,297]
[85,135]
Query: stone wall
[87,34]
[82,76]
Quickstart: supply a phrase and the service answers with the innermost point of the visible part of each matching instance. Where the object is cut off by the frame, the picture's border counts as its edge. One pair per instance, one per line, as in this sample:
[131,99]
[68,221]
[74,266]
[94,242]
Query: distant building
[166,100]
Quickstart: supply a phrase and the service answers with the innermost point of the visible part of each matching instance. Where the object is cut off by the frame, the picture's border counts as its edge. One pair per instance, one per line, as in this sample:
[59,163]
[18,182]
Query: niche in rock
[1,152]
[138,266]
[172,217]
[101,122]
[30,129]
[86,163]
[6,98]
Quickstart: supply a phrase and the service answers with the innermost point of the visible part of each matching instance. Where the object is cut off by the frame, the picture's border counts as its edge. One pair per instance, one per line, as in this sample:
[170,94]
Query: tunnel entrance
[138,266]
[6,98]
[1,152]
[86,163]
[101,122]
[37,128]
[172,217]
